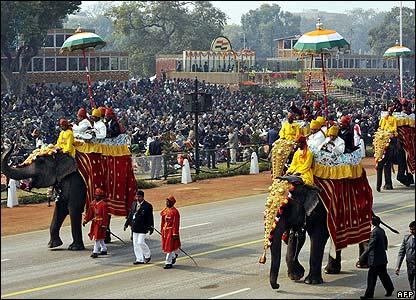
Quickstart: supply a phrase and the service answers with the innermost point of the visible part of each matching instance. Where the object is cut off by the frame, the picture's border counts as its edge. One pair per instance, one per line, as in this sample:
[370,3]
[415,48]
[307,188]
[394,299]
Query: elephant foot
[53,243]
[275,285]
[332,269]
[273,281]
[76,246]
[313,280]
[296,271]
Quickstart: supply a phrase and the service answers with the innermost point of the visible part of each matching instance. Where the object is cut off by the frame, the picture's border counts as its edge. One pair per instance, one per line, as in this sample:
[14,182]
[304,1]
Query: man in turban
[322,121]
[113,127]
[302,161]
[99,130]
[317,136]
[98,213]
[170,220]
[317,111]
[66,138]
[346,134]
[389,122]
[80,129]
[333,143]
[290,130]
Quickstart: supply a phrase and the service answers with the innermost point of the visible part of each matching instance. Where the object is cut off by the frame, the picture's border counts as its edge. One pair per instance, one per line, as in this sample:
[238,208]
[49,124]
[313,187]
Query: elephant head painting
[48,171]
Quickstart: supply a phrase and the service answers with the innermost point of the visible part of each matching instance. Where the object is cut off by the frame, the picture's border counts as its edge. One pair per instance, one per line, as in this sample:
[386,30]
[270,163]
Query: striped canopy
[82,40]
[397,51]
[319,40]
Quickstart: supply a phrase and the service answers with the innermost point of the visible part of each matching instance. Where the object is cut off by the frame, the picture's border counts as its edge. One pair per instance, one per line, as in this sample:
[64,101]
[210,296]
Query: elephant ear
[65,165]
[311,198]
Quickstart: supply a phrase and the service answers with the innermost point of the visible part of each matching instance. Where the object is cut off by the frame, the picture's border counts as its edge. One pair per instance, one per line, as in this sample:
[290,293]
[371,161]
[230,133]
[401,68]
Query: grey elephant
[47,171]
[305,212]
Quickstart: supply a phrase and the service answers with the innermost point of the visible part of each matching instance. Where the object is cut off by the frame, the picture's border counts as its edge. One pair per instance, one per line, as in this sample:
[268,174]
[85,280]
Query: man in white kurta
[317,137]
[333,143]
[80,129]
[99,130]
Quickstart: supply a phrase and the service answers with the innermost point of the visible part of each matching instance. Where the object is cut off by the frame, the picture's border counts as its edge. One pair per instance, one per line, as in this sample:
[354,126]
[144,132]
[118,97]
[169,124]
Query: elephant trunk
[276,250]
[15,173]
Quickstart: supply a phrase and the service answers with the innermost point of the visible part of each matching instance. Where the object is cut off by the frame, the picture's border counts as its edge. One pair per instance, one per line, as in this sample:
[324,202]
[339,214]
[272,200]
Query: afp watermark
[405,294]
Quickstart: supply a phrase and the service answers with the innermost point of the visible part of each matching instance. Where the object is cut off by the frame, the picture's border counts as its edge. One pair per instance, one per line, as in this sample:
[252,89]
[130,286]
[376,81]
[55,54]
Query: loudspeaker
[189,102]
[206,102]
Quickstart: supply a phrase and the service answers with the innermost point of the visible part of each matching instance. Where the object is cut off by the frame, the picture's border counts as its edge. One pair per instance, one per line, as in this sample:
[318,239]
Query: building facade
[51,67]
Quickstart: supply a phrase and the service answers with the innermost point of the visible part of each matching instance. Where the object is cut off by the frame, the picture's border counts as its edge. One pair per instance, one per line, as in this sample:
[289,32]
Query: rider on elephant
[290,130]
[317,136]
[80,129]
[389,122]
[66,138]
[333,143]
[346,134]
[302,161]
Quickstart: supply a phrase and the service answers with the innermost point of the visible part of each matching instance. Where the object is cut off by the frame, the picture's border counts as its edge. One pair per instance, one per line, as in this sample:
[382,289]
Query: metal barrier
[169,164]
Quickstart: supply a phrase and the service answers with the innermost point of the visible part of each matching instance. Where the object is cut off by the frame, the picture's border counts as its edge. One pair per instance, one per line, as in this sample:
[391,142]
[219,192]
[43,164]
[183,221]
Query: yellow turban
[315,124]
[96,113]
[321,120]
[333,130]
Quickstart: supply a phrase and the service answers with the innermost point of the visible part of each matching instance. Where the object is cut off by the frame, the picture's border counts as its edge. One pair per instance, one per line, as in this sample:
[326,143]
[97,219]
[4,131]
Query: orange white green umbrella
[397,51]
[320,39]
[82,40]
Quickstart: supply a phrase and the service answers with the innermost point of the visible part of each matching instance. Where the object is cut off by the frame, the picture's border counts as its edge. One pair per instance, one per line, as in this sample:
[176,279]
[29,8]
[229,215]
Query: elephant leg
[402,168]
[295,270]
[379,175]
[59,215]
[319,235]
[76,230]
[361,248]
[387,175]
[334,265]
[107,239]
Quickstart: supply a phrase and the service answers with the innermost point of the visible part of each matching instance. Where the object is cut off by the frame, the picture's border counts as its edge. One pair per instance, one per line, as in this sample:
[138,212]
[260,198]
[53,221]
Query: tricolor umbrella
[398,51]
[318,42]
[82,41]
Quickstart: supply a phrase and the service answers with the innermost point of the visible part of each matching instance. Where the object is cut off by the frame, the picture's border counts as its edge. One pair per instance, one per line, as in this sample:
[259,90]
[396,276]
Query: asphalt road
[225,238]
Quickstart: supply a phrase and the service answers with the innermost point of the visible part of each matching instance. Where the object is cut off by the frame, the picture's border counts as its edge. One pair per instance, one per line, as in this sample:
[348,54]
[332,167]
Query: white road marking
[6,259]
[229,294]
[398,245]
[196,225]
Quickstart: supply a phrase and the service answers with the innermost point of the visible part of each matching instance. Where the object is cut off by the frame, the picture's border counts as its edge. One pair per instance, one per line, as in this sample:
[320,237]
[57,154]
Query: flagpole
[401,58]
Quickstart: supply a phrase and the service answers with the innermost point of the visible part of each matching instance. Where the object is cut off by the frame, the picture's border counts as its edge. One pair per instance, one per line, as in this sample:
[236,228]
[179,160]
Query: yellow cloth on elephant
[389,123]
[302,163]
[289,131]
[66,142]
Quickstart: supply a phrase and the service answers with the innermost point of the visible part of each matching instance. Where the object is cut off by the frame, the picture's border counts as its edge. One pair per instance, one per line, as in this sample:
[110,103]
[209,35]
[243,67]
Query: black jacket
[375,255]
[155,148]
[113,128]
[348,137]
[141,220]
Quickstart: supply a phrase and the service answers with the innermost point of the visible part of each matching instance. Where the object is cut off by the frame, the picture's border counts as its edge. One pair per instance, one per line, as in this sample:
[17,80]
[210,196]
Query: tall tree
[385,35]
[147,28]
[94,17]
[265,24]
[24,26]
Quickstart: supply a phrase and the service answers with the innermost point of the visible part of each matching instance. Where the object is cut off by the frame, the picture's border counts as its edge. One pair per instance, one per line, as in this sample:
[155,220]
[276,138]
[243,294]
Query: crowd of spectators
[150,108]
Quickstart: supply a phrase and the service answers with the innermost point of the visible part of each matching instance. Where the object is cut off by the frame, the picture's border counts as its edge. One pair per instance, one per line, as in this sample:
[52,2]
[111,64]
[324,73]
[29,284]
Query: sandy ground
[33,217]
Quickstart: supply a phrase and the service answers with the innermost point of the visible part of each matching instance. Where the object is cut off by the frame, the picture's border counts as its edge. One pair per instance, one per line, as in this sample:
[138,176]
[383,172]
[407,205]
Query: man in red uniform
[98,213]
[170,231]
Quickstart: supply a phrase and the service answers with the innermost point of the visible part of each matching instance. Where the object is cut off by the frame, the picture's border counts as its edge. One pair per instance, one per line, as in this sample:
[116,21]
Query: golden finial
[79,29]
[319,24]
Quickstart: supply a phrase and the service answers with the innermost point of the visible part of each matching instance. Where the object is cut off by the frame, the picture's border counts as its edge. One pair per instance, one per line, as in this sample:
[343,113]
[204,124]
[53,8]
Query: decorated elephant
[303,210]
[48,171]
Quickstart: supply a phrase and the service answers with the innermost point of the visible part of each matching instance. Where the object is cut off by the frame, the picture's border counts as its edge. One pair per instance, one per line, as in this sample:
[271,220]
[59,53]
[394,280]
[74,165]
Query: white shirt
[337,147]
[100,130]
[80,130]
[357,135]
[316,139]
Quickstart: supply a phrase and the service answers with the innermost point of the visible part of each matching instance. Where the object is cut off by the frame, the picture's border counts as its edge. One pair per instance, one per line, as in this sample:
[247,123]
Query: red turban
[102,109]
[345,120]
[171,199]
[109,112]
[316,104]
[82,113]
[63,122]
[99,192]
